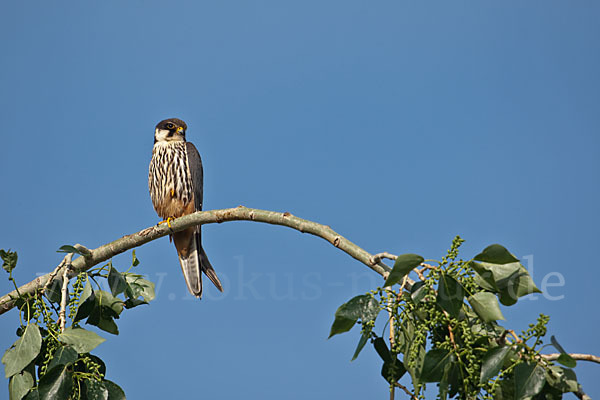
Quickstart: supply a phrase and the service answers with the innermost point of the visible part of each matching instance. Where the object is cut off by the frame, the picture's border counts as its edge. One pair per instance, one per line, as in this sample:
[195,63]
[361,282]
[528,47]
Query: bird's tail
[208,269]
[193,260]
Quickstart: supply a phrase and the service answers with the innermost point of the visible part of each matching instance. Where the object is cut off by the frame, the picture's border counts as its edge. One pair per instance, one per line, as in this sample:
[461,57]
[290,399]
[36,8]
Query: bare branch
[575,356]
[408,392]
[54,273]
[62,315]
[380,256]
[581,394]
[107,251]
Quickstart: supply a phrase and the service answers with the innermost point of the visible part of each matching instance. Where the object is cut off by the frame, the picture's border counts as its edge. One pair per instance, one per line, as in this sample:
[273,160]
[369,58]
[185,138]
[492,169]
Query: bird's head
[170,130]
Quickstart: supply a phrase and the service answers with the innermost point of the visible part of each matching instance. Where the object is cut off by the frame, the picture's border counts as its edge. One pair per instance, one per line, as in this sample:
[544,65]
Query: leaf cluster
[444,329]
[47,363]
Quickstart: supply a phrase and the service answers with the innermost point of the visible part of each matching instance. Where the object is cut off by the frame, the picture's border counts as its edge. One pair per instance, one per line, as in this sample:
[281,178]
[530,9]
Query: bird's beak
[180,130]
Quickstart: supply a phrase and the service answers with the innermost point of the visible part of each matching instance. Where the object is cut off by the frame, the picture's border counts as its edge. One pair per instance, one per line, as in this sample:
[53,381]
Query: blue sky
[398,123]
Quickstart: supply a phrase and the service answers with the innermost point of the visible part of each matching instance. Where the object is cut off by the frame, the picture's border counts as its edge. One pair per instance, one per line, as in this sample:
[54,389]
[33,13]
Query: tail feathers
[208,270]
[190,266]
[193,259]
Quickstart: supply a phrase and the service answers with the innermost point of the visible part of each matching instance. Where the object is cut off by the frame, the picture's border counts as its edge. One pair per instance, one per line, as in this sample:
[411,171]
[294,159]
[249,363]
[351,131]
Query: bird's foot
[167,221]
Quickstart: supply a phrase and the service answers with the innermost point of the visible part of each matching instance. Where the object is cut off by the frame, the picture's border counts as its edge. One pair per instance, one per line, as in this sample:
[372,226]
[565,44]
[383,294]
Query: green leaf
[33,395]
[67,248]
[507,299]
[484,277]
[131,303]
[499,272]
[83,341]
[450,295]
[56,384]
[116,282]
[87,302]
[87,291]
[529,380]
[53,291]
[107,300]
[418,291]
[518,284]
[341,325]
[9,260]
[486,306]
[557,345]
[392,371]
[570,380]
[493,362]
[109,325]
[364,307]
[567,360]
[114,391]
[505,390]
[64,355]
[102,317]
[402,266]
[496,254]
[407,327]
[548,393]
[19,385]
[140,286]
[364,338]
[382,349]
[23,351]
[96,390]
[561,378]
[134,262]
[434,365]
[564,358]
[510,281]
[415,369]
[453,380]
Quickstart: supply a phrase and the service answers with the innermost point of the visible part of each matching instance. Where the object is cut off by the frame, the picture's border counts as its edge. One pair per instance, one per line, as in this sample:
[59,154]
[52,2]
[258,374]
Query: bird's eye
[170,126]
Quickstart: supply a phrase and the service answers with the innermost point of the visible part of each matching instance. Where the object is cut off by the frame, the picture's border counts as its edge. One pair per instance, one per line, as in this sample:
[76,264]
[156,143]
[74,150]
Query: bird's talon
[167,221]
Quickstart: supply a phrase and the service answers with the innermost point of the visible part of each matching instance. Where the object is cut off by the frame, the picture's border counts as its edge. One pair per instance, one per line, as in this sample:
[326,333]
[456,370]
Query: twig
[391,314]
[408,392]
[62,315]
[514,335]
[83,250]
[581,394]
[103,253]
[405,282]
[53,274]
[380,256]
[451,335]
[575,356]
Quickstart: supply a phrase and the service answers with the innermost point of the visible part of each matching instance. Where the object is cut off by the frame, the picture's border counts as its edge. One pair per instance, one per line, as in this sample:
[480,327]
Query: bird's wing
[195,165]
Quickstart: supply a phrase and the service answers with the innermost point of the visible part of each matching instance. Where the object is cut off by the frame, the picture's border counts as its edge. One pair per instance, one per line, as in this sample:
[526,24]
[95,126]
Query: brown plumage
[175,181]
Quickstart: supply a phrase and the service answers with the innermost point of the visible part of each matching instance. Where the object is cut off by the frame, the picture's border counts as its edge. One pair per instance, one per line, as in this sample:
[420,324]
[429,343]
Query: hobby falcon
[175,182]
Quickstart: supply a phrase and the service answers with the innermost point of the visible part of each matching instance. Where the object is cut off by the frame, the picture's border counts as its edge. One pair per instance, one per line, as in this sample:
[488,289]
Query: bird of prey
[175,181]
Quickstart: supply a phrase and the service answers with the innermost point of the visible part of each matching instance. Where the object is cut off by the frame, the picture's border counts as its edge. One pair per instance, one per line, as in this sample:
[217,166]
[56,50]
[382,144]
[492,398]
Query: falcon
[175,182]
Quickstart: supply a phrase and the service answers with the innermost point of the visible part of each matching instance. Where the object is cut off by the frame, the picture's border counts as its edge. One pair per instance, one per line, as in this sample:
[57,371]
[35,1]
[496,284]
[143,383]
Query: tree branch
[575,356]
[581,394]
[62,316]
[93,257]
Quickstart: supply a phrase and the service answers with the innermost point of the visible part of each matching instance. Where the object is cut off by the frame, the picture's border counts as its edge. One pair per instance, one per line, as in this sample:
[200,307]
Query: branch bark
[575,356]
[93,257]
[62,315]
